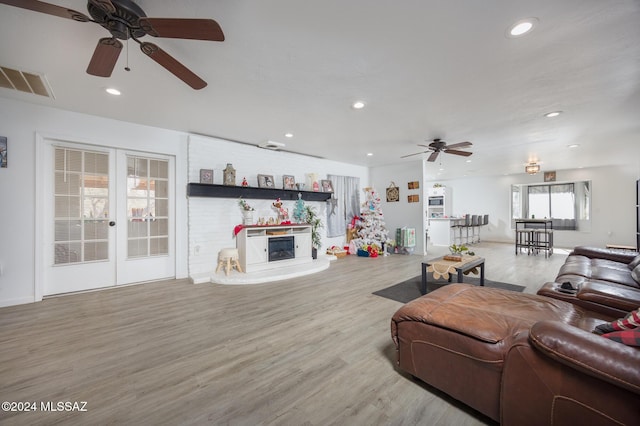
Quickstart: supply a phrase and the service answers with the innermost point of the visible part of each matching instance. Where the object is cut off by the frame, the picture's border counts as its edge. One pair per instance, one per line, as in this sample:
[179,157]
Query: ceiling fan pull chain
[128,36]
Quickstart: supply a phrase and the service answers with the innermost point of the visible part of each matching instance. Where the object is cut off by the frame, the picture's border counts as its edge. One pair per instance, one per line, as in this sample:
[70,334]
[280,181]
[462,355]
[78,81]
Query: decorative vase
[247,217]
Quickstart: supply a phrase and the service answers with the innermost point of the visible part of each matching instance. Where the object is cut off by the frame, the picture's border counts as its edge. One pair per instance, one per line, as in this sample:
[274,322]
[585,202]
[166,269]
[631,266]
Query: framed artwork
[288,182]
[327,185]
[3,152]
[549,176]
[413,198]
[206,176]
[266,181]
[393,193]
[414,185]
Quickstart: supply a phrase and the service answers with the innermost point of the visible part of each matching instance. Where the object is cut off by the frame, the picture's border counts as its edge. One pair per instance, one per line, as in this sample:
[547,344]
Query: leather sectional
[602,279]
[524,359]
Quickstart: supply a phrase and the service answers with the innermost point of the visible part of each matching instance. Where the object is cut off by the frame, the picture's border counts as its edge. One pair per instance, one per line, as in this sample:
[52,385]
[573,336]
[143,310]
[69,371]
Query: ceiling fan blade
[48,8]
[104,57]
[194,29]
[456,152]
[459,145]
[105,5]
[433,156]
[411,155]
[172,65]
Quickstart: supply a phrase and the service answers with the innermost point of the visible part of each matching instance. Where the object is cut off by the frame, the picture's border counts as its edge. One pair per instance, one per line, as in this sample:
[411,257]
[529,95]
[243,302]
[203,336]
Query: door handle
[112,223]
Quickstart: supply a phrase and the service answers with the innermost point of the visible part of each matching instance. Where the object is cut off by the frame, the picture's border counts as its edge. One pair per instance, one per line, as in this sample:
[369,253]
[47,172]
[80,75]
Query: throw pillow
[635,262]
[631,321]
[627,337]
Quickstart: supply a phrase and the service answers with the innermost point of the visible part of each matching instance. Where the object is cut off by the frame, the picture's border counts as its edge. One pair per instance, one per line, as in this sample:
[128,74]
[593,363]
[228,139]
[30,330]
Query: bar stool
[228,258]
[464,224]
[524,239]
[484,222]
[475,225]
[543,241]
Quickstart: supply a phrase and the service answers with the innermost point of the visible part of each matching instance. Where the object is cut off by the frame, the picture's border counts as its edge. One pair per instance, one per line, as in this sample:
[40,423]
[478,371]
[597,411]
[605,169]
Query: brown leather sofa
[602,279]
[520,359]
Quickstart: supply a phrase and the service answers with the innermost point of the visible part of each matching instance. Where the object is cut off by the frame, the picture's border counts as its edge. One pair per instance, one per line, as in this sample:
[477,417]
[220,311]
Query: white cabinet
[438,204]
[289,245]
[256,250]
[303,244]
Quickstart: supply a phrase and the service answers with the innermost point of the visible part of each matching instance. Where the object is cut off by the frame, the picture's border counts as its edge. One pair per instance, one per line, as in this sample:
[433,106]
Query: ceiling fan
[125,20]
[439,145]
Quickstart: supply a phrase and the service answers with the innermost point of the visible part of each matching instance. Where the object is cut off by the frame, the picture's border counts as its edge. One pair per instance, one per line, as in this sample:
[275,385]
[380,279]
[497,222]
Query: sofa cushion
[635,274]
[627,337]
[635,262]
[596,270]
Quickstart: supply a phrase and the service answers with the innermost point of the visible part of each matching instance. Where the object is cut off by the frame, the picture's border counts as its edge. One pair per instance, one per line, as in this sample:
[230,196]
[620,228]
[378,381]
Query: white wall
[212,220]
[401,213]
[613,204]
[20,122]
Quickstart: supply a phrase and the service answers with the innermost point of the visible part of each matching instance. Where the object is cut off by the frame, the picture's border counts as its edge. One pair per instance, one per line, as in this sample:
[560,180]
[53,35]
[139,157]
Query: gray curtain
[345,206]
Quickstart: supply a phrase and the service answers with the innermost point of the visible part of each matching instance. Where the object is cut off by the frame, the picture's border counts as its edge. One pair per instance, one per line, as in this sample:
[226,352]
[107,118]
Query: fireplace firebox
[281,248]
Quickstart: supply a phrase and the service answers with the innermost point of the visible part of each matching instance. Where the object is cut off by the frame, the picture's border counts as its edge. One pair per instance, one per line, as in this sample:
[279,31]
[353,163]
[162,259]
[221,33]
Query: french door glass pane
[81,206]
[147,207]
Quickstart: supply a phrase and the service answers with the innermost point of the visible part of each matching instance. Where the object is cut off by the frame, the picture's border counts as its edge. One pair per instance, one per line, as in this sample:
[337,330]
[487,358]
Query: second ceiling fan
[438,145]
[125,20]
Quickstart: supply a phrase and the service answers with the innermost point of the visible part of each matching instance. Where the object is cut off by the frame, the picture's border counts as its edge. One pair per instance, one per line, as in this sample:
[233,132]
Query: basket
[337,252]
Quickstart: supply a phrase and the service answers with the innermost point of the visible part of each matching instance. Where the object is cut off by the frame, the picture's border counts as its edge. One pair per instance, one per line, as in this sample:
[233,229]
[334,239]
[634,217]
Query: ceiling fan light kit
[125,20]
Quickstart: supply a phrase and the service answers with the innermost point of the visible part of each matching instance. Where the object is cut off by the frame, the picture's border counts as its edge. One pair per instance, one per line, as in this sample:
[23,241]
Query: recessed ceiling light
[288,135]
[369,154]
[468,161]
[522,27]
[358,105]
[112,91]
[553,114]
[574,145]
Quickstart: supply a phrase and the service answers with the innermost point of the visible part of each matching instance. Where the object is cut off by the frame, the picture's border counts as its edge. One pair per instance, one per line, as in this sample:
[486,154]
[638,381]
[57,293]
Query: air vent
[25,82]
[271,145]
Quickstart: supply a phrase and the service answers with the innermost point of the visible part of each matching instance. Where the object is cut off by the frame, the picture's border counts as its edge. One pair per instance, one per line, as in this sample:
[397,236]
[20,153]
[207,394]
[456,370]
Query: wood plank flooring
[309,351]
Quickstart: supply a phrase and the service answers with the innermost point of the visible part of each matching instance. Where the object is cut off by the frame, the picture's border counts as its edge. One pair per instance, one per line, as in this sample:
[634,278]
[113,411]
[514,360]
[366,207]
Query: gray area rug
[408,290]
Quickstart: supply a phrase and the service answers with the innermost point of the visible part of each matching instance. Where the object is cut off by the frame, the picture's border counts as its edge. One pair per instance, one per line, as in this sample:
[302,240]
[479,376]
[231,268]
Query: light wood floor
[309,351]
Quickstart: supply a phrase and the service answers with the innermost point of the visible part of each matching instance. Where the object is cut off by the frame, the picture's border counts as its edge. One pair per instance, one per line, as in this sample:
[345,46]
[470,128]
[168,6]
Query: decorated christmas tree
[372,233]
[299,211]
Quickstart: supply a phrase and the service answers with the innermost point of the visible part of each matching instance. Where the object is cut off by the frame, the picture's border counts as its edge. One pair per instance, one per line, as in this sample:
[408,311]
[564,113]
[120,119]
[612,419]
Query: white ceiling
[424,68]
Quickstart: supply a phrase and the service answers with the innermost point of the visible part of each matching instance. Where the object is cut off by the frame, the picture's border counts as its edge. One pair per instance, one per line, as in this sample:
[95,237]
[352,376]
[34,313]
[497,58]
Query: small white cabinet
[303,244]
[256,250]
[253,246]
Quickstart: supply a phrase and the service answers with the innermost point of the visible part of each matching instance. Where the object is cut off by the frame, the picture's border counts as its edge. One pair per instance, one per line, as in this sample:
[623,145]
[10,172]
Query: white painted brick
[212,220]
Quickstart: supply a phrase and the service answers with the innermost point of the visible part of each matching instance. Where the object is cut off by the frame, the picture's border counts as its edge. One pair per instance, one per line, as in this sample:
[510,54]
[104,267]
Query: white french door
[107,217]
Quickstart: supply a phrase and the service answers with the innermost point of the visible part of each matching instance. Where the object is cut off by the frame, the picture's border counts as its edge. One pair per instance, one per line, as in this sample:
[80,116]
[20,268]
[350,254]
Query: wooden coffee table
[446,268]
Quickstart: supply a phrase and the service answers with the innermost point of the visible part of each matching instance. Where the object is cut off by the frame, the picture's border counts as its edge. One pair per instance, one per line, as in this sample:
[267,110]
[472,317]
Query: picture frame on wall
[393,193]
[266,181]
[549,176]
[327,185]
[3,152]
[206,176]
[413,185]
[288,182]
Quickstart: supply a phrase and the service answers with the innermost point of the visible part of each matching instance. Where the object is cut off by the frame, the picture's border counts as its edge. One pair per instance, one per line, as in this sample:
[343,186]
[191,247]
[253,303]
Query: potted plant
[314,220]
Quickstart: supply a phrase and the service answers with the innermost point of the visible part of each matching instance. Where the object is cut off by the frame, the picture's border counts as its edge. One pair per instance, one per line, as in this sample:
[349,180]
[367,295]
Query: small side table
[460,268]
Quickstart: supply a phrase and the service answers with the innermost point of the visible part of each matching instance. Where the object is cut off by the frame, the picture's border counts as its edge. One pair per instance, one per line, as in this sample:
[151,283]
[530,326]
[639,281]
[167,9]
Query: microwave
[436,201]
